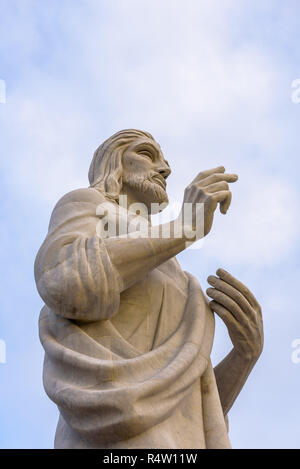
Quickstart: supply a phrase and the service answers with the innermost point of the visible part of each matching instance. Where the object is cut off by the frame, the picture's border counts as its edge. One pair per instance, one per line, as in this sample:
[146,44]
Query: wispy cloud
[211,80]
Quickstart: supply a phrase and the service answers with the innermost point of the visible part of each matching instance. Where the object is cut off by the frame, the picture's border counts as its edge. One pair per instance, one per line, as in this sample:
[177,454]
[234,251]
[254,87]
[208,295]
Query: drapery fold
[109,392]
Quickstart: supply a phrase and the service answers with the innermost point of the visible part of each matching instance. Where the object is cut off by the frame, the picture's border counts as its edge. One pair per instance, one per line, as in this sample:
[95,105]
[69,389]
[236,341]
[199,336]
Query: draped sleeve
[73,271]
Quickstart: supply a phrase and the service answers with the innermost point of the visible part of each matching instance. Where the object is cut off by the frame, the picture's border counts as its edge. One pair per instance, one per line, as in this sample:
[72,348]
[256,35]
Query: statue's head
[130,162]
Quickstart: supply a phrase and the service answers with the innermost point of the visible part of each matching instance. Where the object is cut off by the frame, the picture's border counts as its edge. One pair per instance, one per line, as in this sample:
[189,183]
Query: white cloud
[212,81]
[262,226]
[171,70]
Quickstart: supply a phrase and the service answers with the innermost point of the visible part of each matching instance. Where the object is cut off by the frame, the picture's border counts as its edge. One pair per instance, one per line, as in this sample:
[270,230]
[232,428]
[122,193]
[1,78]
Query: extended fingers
[229,304]
[218,184]
[228,278]
[216,187]
[208,172]
[215,182]
[224,314]
[224,198]
[217,177]
[235,294]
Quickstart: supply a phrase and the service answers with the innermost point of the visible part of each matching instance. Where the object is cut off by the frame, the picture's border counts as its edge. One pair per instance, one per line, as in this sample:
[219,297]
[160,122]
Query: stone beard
[127,334]
[145,184]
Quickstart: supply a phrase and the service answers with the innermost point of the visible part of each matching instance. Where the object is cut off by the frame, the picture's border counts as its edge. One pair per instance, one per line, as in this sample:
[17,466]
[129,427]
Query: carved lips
[158,179]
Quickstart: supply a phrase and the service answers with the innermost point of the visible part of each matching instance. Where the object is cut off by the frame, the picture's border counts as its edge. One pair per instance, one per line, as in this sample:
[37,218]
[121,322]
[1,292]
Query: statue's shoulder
[77,202]
[82,195]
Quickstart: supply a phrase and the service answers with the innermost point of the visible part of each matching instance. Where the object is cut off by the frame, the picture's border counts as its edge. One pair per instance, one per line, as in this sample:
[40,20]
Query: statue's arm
[231,375]
[73,272]
[134,258]
[79,275]
[238,308]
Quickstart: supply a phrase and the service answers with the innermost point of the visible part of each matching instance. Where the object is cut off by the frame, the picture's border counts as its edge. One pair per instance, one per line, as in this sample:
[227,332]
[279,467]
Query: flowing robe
[127,369]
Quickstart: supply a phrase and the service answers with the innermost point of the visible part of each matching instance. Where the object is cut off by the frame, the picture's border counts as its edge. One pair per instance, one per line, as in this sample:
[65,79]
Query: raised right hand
[209,188]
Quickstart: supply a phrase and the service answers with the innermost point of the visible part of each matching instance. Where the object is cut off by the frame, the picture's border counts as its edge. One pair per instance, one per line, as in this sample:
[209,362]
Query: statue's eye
[146,153]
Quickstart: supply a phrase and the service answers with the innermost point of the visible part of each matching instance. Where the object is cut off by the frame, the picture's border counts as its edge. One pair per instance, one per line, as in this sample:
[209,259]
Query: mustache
[152,176]
[152,181]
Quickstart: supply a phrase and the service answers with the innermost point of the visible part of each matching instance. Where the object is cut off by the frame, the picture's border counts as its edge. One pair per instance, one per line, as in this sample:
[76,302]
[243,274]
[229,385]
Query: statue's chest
[151,309]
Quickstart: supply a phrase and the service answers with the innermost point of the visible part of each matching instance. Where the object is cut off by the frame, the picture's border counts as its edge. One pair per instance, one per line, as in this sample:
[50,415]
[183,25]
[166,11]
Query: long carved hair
[105,171]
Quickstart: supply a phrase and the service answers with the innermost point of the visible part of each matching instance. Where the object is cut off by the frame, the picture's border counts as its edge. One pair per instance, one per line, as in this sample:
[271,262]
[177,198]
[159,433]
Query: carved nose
[164,171]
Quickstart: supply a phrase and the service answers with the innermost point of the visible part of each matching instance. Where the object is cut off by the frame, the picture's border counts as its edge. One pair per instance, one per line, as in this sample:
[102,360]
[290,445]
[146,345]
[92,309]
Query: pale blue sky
[211,81]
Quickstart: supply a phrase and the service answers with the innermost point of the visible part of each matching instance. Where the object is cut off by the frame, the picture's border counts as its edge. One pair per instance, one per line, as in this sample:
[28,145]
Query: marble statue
[127,334]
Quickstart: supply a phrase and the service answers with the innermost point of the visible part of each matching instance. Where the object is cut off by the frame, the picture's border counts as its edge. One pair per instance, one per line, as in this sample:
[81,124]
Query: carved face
[145,172]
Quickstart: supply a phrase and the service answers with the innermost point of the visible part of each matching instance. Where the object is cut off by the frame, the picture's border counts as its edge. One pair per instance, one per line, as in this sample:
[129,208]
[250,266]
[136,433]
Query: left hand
[234,303]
